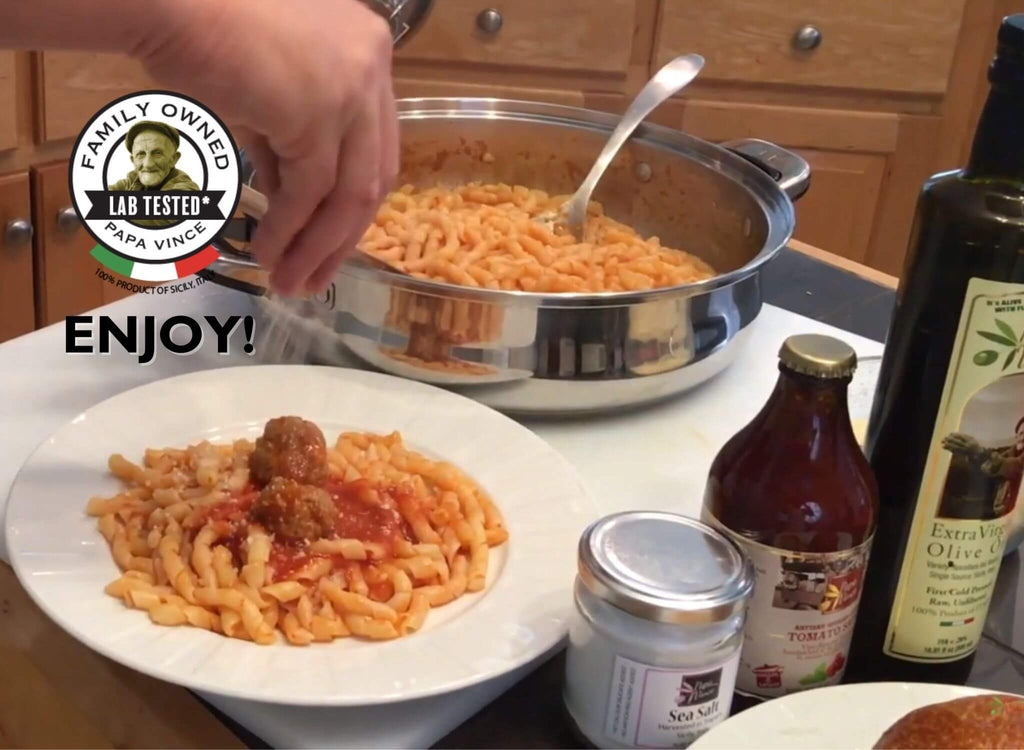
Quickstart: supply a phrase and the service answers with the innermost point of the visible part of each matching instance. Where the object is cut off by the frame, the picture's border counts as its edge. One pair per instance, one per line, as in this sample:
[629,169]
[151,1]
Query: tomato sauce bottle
[794,490]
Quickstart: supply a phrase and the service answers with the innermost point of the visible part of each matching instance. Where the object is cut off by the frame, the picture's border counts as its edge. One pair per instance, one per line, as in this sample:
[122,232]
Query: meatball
[291,448]
[295,512]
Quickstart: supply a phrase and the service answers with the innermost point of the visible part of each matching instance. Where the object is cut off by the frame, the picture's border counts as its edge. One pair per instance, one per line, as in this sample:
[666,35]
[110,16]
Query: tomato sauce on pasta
[286,535]
[365,521]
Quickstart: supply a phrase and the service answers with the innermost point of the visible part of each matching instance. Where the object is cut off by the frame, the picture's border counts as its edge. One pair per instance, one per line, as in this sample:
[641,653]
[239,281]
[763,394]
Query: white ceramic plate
[64,563]
[844,717]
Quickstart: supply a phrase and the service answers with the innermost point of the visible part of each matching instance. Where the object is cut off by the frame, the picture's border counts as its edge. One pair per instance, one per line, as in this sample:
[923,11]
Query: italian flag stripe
[952,623]
[113,261]
[197,262]
[155,271]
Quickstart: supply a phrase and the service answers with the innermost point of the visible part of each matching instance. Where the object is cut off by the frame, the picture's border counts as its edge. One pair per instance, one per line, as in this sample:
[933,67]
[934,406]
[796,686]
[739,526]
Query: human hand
[310,85]
[957,442]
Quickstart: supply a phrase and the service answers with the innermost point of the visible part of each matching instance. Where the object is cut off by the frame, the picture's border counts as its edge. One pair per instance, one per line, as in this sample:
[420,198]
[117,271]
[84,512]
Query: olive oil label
[970,486]
[652,706]
[800,618]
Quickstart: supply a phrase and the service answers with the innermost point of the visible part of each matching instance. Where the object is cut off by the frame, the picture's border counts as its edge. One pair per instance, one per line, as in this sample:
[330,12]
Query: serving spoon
[668,81]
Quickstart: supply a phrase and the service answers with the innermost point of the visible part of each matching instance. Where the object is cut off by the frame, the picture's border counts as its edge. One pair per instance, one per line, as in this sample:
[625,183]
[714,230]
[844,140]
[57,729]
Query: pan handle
[790,171]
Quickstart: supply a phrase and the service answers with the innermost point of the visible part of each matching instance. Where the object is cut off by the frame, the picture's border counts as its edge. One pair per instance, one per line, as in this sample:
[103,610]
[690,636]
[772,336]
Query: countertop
[44,388]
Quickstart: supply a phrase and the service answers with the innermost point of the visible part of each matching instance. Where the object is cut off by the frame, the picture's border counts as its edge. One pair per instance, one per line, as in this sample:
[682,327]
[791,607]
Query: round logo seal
[155,176]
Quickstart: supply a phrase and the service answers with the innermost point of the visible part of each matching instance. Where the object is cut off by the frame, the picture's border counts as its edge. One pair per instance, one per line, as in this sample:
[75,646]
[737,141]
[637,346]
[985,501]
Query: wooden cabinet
[879,45]
[876,94]
[572,35]
[866,167]
[841,204]
[17,295]
[8,102]
[572,46]
[67,280]
[75,85]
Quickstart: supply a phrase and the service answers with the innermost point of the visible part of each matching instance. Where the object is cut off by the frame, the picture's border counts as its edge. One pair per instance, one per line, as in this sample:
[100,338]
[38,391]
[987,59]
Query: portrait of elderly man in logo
[154,151]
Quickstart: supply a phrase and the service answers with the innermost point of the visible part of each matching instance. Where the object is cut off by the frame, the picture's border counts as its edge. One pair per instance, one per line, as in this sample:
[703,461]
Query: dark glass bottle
[945,433]
[794,491]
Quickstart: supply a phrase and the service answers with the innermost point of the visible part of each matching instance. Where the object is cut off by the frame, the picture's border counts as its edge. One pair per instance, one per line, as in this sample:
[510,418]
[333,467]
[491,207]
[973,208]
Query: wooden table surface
[57,693]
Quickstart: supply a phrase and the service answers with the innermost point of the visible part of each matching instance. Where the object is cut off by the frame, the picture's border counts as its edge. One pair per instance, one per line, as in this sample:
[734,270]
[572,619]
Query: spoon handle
[252,202]
[666,82]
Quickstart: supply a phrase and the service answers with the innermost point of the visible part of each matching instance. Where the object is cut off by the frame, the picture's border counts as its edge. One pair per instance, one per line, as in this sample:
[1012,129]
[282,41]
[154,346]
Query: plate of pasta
[300,535]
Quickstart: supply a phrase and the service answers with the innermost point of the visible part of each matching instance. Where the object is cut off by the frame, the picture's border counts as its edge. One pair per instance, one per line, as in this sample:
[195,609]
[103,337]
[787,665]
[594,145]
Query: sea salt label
[661,708]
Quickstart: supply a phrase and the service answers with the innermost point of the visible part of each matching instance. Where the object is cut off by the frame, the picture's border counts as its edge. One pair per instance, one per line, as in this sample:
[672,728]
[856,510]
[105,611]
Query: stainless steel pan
[522,352]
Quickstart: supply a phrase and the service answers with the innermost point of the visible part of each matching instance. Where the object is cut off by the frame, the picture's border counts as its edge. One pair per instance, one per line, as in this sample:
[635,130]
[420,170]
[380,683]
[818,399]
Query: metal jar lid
[818,356]
[664,567]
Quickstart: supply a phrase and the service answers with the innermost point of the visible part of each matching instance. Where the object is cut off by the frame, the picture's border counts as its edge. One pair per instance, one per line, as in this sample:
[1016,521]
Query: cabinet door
[17,297]
[68,283]
[838,212]
[8,95]
[847,150]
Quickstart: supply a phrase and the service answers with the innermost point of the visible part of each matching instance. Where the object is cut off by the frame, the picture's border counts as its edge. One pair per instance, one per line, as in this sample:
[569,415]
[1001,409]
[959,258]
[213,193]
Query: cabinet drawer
[17,298]
[887,45]
[580,35]
[75,85]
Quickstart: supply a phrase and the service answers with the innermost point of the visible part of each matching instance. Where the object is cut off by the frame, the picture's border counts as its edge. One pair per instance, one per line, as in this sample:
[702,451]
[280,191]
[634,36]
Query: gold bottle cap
[818,356]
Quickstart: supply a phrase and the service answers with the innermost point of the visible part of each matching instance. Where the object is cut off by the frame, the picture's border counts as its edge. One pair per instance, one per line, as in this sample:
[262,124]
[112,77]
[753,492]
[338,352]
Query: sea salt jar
[654,642]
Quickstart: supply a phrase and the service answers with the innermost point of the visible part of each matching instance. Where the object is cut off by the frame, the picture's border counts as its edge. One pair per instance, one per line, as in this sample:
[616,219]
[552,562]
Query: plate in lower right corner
[843,717]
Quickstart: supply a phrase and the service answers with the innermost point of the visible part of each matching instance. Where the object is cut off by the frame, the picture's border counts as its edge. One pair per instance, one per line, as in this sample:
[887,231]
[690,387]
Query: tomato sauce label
[800,618]
[971,484]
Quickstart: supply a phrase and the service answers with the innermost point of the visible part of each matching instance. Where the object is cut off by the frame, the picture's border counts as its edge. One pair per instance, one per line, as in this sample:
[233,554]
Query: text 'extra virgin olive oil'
[946,436]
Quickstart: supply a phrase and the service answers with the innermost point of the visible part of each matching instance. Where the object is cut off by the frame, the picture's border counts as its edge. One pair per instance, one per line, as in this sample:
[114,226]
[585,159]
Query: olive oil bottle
[946,435]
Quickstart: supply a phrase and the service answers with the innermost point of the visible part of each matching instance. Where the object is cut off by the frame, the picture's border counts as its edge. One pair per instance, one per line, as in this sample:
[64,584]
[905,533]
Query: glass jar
[655,637]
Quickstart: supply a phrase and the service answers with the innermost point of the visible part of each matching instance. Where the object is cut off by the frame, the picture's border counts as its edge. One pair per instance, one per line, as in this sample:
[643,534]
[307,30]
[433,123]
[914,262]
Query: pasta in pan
[499,237]
[284,534]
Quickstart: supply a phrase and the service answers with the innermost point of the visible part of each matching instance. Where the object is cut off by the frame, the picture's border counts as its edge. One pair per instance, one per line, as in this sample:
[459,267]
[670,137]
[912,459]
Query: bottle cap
[1011,31]
[818,356]
[1008,64]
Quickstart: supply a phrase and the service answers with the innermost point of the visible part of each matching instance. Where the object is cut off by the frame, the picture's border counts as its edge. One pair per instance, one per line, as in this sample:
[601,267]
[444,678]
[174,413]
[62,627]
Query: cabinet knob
[68,221]
[18,232]
[807,37]
[489,21]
